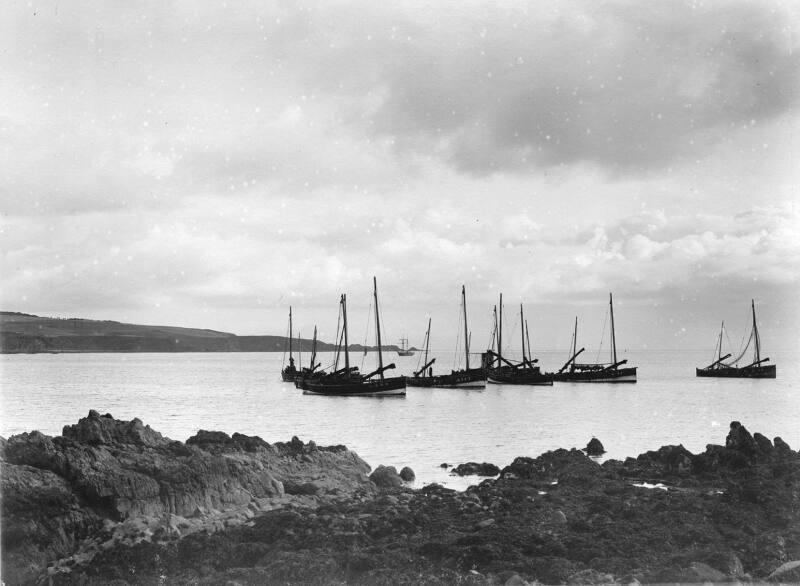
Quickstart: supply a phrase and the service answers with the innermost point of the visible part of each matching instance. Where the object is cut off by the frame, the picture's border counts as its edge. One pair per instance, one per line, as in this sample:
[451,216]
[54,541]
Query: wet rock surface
[729,514]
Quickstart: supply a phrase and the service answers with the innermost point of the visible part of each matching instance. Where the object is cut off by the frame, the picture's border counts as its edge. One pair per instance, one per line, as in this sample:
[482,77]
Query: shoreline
[75,507]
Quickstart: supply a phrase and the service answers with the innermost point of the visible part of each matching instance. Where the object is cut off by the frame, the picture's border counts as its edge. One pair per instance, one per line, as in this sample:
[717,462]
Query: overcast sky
[207,164]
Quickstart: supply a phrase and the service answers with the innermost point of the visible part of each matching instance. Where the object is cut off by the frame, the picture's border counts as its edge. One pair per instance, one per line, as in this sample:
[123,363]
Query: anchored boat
[472,378]
[609,372]
[756,369]
[348,381]
[290,373]
[504,371]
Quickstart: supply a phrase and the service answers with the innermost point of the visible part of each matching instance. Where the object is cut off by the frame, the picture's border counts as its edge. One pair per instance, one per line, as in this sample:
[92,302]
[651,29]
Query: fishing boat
[756,369]
[404,349]
[310,371]
[472,378]
[290,373]
[505,372]
[598,372]
[349,381]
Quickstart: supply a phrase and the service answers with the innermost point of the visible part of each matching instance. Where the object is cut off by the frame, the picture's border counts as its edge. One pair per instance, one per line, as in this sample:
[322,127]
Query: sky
[209,164]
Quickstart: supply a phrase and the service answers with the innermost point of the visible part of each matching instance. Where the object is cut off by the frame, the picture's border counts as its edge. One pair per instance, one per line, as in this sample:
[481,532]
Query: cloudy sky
[207,164]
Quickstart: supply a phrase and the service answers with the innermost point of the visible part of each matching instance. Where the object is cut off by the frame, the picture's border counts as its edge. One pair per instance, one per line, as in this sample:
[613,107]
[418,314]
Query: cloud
[498,88]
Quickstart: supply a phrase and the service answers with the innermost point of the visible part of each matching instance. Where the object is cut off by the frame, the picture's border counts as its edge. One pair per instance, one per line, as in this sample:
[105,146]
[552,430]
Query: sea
[178,394]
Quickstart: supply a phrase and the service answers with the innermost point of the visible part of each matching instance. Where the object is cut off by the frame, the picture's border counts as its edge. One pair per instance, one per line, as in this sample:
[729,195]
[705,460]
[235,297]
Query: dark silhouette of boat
[611,372]
[348,381]
[505,372]
[290,373]
[471,378]
[404,349]
[756,369]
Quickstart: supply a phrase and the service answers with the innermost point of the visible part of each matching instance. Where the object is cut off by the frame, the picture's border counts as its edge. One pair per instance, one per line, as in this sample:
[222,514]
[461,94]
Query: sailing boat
[472,378]
[610,372]
[310,371]
[404,349]
[756,369]
[522,373]
[290,373]
[348,381]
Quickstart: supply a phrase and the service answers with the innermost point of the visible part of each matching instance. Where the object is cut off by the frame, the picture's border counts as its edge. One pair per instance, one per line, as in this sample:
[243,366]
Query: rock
[591,576]
[407,474]
[594,447]
[58,491]
[515,580]
[484,524]
[386,477]
[739,439]
[787,573]
[782,447]
[559,517]
[763,445]
[444,465]
[475,469]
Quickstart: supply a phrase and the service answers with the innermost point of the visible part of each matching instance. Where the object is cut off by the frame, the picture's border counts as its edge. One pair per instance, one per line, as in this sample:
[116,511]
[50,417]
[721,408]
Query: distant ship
[404,350]
[603,372]
[756,369]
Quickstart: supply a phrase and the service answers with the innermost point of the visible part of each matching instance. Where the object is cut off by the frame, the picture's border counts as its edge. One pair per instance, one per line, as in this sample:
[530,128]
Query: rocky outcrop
[476,469]
[594,448]
[59,491]
[386,477]
[729,514]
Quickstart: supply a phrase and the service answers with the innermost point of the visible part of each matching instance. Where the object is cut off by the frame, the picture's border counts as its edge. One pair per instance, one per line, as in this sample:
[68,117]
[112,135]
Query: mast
[528,336]
[575,337]
[291,359]
[522,331]
[378,325]
[427,341]
[466,334]
[613,335]
[500,333]
[719,344]
[755,333]
[314,349]
[344,319]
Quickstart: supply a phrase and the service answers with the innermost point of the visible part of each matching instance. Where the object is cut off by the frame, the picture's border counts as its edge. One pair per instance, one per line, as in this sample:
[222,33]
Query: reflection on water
[177,394]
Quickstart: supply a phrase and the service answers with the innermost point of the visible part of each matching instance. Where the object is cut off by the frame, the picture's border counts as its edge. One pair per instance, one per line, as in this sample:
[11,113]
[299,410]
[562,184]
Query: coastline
[114,500]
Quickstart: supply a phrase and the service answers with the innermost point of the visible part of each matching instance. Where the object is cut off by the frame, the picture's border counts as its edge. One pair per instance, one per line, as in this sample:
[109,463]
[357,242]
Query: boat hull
[405,353]
[475,378]
[617,375]
[509,376]
[768,371]
[395,386]
[290,375]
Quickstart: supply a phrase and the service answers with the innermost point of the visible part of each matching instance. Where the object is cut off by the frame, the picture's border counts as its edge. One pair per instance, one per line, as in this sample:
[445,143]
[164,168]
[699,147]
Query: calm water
[177,394]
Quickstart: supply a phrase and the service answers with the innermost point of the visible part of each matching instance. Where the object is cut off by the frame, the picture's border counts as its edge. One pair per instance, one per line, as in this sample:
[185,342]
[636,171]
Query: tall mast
[500,333]
[346,343]
[719,343]
[613,335]
[427,341]
[755,332]
[528,336]
[522,331]
[466,330]
[378,325]
[575,337]
[314,349]
[291,360]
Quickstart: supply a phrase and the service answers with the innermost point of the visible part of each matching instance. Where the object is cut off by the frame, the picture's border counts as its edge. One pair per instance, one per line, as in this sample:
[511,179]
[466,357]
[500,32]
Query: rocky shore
[115,502]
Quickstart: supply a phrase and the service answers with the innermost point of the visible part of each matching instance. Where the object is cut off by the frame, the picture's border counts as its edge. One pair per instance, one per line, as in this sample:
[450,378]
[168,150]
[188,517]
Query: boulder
[594,447]
[476,469]
[739,439]
[407,474]
[386,477]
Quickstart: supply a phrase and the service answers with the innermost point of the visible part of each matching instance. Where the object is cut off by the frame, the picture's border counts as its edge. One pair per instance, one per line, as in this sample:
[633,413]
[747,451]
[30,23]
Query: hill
[26,333]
